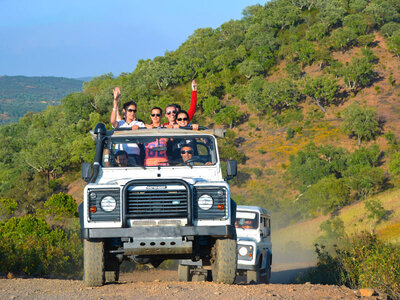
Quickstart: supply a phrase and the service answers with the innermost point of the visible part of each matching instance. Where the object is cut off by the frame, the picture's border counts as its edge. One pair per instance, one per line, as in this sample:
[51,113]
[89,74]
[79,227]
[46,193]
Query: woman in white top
[129,112]
[129,121]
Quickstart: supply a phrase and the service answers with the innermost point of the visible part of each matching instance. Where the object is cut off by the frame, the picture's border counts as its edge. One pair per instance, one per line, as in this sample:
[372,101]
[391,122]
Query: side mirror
[231,168]
[86,171]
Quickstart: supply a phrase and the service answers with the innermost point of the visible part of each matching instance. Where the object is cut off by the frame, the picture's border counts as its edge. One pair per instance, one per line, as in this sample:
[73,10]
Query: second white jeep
[253,230]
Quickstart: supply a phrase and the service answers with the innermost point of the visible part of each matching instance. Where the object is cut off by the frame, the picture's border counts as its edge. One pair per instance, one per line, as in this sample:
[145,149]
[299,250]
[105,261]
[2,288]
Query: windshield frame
[110,141]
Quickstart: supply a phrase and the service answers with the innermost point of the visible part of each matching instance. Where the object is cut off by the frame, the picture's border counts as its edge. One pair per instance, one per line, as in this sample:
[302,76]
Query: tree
[210,105]
[250,68]
[327,195]
[394,43]
[394,164]
[343,39]
[376,212]
[360,121]
[322,90]
[308,167]
[360,72]
[229,115]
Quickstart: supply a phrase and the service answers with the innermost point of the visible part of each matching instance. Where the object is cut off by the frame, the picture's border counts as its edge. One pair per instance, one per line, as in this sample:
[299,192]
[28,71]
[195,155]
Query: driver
[187,155]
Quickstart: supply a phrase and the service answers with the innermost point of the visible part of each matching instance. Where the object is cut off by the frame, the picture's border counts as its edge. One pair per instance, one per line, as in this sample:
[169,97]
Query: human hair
[120,153]
[156,107]
[182,112]
[171,105]
[129,103]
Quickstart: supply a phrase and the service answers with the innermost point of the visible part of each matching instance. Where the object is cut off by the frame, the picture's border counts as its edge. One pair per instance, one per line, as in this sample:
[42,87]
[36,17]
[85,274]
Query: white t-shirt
[131,148]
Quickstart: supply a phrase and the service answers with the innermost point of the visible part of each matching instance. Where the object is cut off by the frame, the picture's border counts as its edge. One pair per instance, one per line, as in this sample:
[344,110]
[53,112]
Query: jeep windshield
[158,151]
[246,220]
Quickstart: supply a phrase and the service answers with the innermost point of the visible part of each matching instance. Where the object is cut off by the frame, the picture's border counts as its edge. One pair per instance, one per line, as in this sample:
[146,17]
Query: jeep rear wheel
[224,259]
[93,263]
[111,269]
[183,273]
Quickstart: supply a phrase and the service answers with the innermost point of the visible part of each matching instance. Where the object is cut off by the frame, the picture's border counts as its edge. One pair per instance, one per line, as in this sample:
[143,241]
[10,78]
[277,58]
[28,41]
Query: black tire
[93,263]
[111,269]
[267,277]
[183,273]
[253,276]
[224,261]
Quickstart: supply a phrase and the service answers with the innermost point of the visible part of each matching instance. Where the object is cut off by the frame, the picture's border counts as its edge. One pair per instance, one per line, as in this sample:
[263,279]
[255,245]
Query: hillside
[20,94]
[296,242]
[308,92]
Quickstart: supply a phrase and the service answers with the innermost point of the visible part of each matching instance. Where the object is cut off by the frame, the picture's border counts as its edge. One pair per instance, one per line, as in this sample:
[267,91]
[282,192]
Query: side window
[269,226]
[262,226]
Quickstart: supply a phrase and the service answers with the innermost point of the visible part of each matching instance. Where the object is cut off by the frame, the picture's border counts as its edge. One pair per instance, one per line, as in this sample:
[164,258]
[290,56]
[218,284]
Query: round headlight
[92,195]
[243,251]
[205,202]
[108,203]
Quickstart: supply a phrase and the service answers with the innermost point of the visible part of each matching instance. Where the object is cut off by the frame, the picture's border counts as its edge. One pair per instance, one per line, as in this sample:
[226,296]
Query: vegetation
[276,78]
[364,261]
[20,94]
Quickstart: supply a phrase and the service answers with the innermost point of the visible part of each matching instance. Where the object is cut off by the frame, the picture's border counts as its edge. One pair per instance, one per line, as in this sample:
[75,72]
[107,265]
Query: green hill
[20,94]
[308,90]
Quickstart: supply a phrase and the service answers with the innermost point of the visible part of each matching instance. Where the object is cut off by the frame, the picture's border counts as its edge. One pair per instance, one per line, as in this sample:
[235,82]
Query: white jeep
[156,204]
[253,230]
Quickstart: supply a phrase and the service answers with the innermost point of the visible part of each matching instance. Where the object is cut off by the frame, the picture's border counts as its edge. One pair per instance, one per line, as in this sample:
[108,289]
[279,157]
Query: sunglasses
[182,119]
[131,110]
[187,151]
[155,115]
[171,112]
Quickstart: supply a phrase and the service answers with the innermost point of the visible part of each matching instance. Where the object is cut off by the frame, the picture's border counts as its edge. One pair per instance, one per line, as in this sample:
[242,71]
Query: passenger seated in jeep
[121,158]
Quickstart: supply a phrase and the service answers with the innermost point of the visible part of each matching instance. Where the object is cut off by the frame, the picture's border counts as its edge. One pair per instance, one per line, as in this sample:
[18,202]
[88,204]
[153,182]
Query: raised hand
[117,93]
[194,85]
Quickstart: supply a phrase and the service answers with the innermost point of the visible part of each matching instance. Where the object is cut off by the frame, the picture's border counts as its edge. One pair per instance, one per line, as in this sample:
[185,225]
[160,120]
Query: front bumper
[158,232]
[246,267]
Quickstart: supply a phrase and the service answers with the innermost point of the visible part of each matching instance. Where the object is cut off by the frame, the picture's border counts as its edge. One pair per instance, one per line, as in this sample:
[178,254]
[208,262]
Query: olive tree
[360,121]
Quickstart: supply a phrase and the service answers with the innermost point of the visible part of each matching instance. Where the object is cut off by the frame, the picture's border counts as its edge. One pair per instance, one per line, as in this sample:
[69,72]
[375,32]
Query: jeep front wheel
[93,263]
[224,259]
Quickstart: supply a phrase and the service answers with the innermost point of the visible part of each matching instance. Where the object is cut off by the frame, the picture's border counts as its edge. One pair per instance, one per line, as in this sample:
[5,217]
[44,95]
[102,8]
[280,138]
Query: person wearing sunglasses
[187,153]
[182,120]
[129,121]
[156,115]
[128,111]
[172,109]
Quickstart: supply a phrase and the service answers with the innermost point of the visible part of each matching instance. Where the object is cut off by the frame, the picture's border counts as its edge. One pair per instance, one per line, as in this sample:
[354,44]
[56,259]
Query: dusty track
[162,284]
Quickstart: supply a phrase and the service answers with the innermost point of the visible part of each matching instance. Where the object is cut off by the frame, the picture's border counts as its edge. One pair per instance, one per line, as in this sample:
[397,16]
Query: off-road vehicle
[156,205]
[253,230]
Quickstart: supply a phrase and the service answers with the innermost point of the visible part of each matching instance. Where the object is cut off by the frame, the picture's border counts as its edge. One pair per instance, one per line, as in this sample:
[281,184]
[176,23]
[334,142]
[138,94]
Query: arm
[114,112]
[193,101]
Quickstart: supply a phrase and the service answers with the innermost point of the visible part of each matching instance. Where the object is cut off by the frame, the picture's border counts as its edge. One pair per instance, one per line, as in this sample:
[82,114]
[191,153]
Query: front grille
[157,201]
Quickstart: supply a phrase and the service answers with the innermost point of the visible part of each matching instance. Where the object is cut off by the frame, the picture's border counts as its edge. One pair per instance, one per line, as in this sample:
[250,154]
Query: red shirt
[156,158]
[192,109]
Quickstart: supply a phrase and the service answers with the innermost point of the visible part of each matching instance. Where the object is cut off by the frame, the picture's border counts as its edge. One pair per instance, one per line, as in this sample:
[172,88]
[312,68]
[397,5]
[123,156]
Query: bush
[61,205]
[7,207]
[28,245]
[364,261]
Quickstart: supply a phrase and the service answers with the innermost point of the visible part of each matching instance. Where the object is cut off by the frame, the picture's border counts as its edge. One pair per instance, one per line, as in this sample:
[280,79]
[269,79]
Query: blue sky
[74,39]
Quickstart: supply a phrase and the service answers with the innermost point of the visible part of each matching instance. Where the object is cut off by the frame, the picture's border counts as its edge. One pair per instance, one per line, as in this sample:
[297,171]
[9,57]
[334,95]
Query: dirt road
[162,284]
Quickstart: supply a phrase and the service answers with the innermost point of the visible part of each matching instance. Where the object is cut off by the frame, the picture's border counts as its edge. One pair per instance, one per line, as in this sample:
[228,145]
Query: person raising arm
[129,111]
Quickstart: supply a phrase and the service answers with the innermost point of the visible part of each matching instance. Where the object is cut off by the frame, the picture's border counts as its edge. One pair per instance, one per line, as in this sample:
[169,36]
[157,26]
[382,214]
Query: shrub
[7,207]
[290,133]
[61,205]
[364,261]
[28,245]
